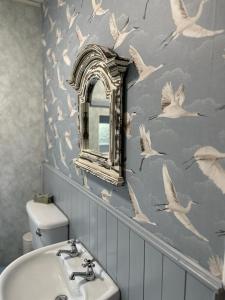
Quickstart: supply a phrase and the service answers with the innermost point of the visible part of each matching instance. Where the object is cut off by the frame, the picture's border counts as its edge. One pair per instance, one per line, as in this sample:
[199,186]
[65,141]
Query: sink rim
[52,249]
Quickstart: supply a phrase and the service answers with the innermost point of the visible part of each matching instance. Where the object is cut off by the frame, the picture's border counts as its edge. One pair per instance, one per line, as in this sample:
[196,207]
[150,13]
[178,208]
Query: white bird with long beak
[56,134]
[119,36]
[143,70]
[54,161]
[47,79]
[186,25]
[71,17]
[139,216]
[54,60]
[50,123]
[62,155]
[82,38]
[67,136]
[46,107]
[146,145]
[128,117]
[49,143]
[175,206]
[106,195]
[216,266]
[85,182]
[52,23]
[54,98]
[60,113]
[97,9]
[72,110]
[172,102]
[61,3]
[207,159]
[49,54]
[66,57]
[59,36]
[43,41]
[129,172]
[60,80]
[77,170]
[45,10]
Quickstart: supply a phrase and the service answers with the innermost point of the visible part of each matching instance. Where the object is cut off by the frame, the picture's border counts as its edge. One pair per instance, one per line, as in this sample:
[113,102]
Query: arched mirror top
[98,77]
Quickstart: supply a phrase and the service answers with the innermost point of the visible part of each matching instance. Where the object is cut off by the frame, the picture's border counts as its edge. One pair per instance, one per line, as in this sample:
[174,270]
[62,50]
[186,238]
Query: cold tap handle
[88,263]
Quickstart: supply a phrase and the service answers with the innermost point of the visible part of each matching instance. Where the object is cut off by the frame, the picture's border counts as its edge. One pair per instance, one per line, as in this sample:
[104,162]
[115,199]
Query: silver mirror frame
[97,61]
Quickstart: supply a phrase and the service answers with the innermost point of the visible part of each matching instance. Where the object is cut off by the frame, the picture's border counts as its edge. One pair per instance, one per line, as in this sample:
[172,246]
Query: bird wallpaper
[174,117]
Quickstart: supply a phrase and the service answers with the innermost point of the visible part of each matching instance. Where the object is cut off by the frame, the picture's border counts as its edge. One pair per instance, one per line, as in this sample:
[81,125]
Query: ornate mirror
[98,79]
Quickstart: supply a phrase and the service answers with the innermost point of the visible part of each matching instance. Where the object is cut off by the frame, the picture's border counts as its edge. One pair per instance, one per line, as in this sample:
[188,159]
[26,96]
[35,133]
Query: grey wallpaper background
[197,63]
[21,120]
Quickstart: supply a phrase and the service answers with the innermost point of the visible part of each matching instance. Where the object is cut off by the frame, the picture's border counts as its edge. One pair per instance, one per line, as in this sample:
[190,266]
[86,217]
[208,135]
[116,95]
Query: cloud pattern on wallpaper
[187,75]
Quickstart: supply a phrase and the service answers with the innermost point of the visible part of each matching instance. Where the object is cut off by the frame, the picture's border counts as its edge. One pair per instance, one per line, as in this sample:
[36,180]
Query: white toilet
[48,224]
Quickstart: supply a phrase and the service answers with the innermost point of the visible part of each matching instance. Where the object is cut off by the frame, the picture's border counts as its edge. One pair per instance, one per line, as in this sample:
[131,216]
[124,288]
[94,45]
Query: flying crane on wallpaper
[119,36]
[207,159]
[139,216]
[146,145]
[186,25]
[216,266]
[82,38]
[172,102]
[144,71]
[128,117]
[61,3]
[175,206]
[71,17]
[66,57]
[97,9]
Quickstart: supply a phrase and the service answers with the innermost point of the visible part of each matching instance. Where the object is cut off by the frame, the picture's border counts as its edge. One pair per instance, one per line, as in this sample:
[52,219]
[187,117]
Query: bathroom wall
[21,120]
[196,63]
[142,265]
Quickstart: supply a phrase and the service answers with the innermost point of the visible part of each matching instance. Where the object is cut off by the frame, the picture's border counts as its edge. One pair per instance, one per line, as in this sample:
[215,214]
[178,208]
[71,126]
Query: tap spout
[69,252]
[89,276]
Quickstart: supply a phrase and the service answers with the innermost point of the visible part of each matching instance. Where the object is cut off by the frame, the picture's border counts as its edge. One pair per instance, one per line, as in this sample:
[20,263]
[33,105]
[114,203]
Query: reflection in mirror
[98,118]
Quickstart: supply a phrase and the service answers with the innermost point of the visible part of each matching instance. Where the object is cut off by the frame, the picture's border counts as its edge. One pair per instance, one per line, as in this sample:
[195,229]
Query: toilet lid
[46,216]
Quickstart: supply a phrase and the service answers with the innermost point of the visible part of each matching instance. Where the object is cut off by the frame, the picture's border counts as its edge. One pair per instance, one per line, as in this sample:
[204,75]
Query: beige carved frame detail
[95,61]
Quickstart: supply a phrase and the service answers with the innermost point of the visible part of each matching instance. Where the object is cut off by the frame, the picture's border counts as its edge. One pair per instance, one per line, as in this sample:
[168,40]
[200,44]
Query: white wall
[21,120]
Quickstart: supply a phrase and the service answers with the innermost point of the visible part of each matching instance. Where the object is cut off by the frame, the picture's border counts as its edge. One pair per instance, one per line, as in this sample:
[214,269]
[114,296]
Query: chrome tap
[73,252]
[89,275]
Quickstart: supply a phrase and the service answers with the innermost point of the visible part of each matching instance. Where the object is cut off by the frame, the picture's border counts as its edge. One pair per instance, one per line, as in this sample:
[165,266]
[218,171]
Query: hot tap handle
[74,241]
[88,263]
[70,241]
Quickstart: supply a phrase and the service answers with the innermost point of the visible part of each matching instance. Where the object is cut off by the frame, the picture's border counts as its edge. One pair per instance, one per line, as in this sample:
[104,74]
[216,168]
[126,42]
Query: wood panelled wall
[143,266]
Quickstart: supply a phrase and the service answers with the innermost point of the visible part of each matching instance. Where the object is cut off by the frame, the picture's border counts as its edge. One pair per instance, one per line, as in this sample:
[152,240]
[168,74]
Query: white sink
[41,275]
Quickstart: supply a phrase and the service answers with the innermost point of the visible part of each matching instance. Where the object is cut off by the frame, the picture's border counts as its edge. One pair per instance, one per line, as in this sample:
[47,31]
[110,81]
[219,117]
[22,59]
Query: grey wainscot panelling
[143,266]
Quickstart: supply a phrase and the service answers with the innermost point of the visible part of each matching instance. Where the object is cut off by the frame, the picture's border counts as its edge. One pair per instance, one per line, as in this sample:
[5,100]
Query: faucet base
[61,297]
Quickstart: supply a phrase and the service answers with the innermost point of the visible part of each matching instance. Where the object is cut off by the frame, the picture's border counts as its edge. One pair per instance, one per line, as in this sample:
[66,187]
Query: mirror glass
[98,118]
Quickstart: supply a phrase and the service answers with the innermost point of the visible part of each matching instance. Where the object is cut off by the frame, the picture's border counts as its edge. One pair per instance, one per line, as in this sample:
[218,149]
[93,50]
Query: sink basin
[41,275]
